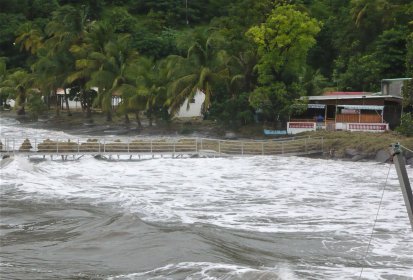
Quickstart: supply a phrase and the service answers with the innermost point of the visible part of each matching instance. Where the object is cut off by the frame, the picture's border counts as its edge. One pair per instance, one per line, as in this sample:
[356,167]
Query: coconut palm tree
[203,69]
[68,27]
[242,71]
[90,56]
[111,74]
[67,30]
[50,72]
[18,85]
[151,85]
[30,38]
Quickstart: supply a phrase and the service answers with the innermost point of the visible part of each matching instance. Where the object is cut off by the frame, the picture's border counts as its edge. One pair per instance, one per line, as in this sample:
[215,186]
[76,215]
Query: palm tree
[68,26]
[111,74]
[19,85]
[67,30]
[202,69]
[50,72]
[30,38]
[151,82]
[242,71]
[90,57]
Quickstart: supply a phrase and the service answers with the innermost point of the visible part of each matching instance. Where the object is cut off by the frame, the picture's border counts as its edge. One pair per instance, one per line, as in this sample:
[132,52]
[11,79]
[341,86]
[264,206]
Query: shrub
[406,125]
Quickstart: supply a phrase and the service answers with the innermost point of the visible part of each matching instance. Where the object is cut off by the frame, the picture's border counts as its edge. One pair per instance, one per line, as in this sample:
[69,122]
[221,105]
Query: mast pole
[398,160]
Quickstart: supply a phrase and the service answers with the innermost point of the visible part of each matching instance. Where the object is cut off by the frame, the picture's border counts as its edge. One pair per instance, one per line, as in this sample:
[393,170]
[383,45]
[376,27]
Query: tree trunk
[57,103]
[88,111]
[47,100]
[87,103]
[138,119]
[150,117]
[67,103]
[109,116]
[22,101]
[127,118]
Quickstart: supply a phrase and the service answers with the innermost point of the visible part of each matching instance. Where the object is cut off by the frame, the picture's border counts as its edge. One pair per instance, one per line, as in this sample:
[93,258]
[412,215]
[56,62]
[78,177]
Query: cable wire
[407,149]
[375,220]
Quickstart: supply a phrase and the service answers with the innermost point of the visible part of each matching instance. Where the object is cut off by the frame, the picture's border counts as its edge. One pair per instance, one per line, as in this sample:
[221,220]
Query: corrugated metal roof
[334,97]
[396,79]
[346,93]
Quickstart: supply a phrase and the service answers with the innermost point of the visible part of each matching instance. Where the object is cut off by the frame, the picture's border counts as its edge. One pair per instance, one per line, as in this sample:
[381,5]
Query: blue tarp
[275,132]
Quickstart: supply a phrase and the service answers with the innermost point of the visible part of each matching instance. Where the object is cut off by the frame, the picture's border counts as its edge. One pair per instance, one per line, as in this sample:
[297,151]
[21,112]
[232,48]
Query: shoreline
[98,126]
[339,145]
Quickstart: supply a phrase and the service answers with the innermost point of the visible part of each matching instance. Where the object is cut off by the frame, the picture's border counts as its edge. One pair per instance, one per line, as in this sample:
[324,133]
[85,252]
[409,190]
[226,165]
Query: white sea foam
[258,194]
[210,271]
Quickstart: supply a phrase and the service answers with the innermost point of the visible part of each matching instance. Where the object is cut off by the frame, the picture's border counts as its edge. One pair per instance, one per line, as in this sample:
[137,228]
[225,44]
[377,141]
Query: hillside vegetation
[244,55]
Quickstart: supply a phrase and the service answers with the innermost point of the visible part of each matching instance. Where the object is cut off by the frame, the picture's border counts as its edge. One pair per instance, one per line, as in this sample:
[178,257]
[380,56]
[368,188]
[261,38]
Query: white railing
[298,127]
[95,146]
[370,127]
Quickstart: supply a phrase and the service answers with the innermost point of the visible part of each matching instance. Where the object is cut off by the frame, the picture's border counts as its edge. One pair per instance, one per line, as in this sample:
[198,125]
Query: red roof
[346,93]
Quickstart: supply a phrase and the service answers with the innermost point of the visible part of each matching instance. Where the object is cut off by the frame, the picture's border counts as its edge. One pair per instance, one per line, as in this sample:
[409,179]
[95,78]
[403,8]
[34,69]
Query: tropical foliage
[246,56]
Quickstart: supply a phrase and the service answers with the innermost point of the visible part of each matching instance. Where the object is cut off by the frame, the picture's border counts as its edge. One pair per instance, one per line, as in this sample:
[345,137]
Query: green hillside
[245,55]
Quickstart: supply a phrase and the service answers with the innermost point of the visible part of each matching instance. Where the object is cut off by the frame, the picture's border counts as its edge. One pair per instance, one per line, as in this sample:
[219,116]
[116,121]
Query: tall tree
[67,30]
[152,86]
[283,42]
[113,65]
[202,69]
[19,85]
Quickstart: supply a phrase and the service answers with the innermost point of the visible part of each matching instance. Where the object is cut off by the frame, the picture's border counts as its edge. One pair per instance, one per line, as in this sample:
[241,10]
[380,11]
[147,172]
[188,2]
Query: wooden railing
[356,118]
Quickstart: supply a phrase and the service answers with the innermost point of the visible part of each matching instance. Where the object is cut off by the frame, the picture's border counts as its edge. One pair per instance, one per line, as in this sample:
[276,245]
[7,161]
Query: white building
[195,106]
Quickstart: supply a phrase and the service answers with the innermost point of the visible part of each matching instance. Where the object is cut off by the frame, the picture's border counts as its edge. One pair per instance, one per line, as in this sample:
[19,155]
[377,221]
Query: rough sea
[260,217]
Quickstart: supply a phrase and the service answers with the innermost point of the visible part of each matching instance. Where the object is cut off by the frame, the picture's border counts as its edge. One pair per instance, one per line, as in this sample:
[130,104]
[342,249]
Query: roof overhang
[396,79]
[348,97]
[362,107]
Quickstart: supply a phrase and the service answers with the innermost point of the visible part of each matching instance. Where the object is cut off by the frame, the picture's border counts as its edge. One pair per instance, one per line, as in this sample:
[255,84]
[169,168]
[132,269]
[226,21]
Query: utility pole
[398,160]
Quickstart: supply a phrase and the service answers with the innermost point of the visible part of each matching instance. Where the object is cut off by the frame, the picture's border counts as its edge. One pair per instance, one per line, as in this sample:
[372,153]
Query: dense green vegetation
[245,55]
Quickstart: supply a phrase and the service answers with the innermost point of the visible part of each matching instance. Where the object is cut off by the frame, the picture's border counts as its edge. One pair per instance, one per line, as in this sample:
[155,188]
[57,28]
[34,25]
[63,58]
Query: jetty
[173,147]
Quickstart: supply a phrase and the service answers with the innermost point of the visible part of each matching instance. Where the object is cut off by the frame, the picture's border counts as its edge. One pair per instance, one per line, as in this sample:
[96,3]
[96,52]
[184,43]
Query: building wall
[392,113]
[392,87]
[194,109]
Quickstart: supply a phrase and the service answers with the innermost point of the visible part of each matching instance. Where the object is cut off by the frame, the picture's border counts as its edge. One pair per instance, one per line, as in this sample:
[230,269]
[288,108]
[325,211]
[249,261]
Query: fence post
[282,147]
[201,145]
[151,146]
[262,148]
[219,147]
[242,148]
[128,145]
[196,144]
[57,145]
[104,145]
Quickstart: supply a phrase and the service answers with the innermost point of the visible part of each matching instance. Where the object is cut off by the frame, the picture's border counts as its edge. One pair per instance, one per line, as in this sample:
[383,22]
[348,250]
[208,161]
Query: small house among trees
[352,111]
